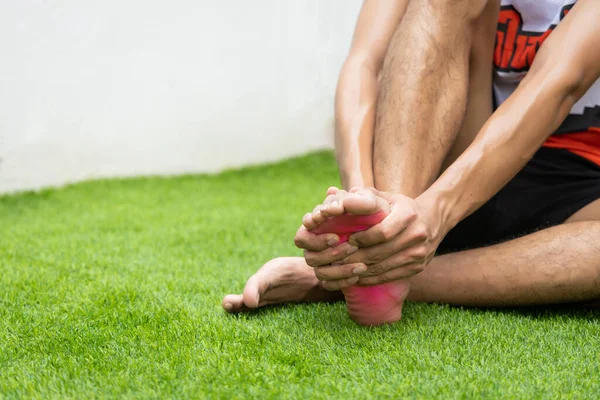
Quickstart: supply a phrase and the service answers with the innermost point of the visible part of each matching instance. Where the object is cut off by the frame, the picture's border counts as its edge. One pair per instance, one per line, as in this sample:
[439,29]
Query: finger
[233,303]
[328,256]
[339,284]
[416,255]
[336,272]
[403,246]
[384,231]
[373,255]
[309,241]
[403,272]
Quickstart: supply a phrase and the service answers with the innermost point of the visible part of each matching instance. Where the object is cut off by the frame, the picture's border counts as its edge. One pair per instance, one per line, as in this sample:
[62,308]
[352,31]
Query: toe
[308,221]
[256,286]
[335,208]
[332,190]
[364,202]
[233,303]
[318,216]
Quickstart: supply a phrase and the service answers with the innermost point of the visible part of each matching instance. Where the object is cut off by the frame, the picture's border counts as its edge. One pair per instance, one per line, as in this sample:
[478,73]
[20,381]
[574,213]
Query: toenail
[332,240]
[359,270]
[351,249]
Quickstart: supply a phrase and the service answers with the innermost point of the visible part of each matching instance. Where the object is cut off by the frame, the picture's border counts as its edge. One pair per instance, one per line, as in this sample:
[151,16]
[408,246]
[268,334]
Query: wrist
[435,205]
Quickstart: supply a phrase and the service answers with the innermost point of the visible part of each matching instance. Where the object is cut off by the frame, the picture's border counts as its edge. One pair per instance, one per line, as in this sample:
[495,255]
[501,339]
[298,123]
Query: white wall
[128,87]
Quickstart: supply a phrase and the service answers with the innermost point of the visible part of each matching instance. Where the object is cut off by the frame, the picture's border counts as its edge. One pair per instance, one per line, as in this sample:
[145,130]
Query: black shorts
[549,189]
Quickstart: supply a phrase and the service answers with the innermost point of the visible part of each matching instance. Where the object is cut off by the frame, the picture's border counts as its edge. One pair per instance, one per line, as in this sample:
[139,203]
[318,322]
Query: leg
[439,54]
[555,265]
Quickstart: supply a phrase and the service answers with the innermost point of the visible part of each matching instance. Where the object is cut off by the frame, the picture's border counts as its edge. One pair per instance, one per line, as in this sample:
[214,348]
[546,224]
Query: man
[484,208]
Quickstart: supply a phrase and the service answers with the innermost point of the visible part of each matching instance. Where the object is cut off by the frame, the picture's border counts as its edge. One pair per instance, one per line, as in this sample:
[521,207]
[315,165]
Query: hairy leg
[556,265]
[424,87]
[552,266]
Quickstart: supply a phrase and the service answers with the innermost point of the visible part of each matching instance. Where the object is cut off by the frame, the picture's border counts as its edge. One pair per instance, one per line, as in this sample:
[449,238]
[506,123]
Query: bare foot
[340,203]
[343,215]
[281,280]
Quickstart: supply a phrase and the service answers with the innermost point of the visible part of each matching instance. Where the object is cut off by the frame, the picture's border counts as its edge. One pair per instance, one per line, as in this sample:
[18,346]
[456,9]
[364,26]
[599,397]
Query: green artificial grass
[113,288]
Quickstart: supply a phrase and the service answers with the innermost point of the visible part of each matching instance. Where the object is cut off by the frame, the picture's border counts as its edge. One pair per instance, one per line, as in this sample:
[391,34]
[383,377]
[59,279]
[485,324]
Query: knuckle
[387,232]
[383,278]
[299,241]
[357,240]
[310,258]
[376,269]
[420,232]
[319,274]
[420,253]
[373,257]
[414,269]
[410,215]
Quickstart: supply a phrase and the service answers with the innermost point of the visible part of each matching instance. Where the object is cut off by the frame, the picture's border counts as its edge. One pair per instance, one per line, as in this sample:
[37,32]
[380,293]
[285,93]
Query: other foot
[281,280]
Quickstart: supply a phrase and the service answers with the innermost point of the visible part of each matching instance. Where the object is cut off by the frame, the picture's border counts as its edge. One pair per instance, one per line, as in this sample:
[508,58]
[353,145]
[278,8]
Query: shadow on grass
[326,316]
[588,311]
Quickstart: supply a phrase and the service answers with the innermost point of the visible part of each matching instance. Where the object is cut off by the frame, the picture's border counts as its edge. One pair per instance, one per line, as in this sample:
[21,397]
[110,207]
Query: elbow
[565,84]
[358,61]
[571,82]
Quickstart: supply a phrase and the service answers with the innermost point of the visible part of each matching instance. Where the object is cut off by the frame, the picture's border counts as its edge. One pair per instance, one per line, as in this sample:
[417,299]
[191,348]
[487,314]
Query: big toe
[365,202]
[233,303]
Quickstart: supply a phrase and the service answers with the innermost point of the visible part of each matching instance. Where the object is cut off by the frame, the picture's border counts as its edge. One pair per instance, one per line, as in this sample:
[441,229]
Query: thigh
[591,212]
[555,187]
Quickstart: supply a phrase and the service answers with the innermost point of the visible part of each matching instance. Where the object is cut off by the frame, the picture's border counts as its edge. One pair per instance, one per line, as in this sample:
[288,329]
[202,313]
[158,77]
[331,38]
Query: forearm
[355,102]
[565,67]
[356,94]
[503,146]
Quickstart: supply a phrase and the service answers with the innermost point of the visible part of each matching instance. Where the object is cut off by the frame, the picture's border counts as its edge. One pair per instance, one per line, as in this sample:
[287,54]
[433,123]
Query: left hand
[398,247]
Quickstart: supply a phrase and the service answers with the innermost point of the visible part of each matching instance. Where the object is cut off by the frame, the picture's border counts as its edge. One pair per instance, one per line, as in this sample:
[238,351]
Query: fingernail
[351,249]
[334,204]
[359,270]
[352,281]
[228,306]
[332,240]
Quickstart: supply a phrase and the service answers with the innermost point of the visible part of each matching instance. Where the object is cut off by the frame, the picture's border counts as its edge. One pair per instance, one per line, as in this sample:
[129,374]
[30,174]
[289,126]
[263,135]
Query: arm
[567,64]
[356,93]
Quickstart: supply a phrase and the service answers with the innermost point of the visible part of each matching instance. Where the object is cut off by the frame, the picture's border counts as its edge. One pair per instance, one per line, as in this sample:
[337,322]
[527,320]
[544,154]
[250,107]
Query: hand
[397,248]
[320,251]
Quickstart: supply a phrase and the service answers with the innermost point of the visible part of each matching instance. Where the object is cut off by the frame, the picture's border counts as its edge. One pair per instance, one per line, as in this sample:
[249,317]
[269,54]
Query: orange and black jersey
[523,25]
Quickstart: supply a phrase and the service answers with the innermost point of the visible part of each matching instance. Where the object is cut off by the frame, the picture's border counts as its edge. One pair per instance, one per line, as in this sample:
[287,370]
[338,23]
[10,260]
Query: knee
[458,11]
